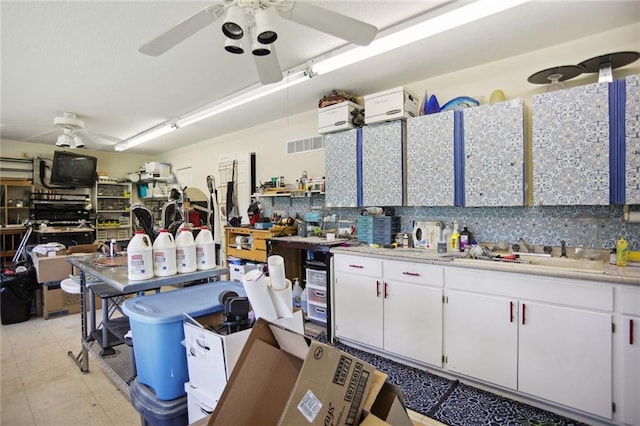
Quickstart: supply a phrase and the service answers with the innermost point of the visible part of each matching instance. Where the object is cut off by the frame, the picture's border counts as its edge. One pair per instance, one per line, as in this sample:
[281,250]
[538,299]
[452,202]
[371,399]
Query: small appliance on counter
[426,234]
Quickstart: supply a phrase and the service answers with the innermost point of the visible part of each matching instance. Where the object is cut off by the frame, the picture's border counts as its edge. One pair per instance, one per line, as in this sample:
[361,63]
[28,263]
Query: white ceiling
[82,57]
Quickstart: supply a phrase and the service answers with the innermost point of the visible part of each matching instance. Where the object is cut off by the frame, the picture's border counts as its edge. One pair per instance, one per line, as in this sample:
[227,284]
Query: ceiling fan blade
[40,134]
[183,30]
[336,24]
[268,67]
[94,137]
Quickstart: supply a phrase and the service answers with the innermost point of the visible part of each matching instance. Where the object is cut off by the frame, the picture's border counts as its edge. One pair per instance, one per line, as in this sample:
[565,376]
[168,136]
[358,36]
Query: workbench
[111,282]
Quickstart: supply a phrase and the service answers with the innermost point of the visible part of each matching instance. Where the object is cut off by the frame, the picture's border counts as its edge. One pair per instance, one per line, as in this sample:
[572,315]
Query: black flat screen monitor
[70,169]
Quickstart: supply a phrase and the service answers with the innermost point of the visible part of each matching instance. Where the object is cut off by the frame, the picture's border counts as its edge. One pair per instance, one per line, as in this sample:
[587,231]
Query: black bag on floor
[17,293]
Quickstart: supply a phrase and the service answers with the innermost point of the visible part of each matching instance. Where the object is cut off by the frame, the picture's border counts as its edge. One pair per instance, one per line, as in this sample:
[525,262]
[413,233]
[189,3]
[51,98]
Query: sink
[567,263]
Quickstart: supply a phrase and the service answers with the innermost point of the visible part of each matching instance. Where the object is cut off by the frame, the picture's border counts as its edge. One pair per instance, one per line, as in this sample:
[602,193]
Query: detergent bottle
[164,254]
[205,249]
[455,238]
[622,252]
[185,252]
[140,257]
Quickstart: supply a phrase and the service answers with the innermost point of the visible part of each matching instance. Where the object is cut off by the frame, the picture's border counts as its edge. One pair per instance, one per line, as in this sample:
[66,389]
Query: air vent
[312,143]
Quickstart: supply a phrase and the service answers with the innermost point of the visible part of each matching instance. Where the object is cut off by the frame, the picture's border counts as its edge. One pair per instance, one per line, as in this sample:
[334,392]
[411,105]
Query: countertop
[316,241]
[608,274]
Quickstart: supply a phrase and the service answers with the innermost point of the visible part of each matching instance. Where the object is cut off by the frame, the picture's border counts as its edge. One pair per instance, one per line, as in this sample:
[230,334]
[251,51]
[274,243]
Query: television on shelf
[70,169]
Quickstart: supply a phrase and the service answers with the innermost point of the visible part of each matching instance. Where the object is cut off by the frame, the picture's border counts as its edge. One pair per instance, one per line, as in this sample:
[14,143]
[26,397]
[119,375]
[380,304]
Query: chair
[145,219]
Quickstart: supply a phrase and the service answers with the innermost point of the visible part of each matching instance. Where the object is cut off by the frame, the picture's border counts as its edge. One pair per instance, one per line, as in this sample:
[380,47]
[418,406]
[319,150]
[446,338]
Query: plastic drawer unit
[157,329]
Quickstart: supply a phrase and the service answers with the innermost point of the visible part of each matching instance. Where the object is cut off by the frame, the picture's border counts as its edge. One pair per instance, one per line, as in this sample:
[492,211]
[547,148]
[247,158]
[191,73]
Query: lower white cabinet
[390,305]
[547,337]
[627,360]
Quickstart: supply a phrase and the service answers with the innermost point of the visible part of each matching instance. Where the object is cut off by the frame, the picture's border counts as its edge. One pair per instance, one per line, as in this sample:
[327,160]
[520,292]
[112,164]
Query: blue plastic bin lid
[169,306]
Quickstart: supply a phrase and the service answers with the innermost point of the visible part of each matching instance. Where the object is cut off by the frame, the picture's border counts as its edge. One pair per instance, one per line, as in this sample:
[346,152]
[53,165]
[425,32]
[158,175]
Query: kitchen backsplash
[542,225]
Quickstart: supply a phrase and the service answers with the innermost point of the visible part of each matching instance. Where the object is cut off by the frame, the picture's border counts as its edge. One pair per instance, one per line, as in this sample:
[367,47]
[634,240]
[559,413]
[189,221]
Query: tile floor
[41,385]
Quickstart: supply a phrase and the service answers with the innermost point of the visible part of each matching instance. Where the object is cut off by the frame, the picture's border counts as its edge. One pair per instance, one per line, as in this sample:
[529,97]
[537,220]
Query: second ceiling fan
[247,20]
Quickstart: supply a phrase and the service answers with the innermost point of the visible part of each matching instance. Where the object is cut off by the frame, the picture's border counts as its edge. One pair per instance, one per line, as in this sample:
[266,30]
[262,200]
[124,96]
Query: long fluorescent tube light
[436,25]
[242,98]
[145,136]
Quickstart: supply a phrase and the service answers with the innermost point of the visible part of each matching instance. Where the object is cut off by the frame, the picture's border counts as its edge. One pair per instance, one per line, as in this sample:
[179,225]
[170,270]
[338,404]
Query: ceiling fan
[71,133]
[247,20]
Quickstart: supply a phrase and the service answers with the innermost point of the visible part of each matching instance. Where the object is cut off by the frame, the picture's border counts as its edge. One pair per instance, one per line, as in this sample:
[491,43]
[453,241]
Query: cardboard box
[56,302]
[337,117]
[281,378]
[51,268]
[393,104]
[211,356]
[387,408]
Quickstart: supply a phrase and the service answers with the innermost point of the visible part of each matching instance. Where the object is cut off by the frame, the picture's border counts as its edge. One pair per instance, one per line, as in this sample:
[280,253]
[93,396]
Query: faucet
[527,245]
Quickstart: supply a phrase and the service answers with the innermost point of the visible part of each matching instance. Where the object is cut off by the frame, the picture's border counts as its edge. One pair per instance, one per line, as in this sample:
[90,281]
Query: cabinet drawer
[317,277]
[358,265]
[317,312]
[414,272]
[629,301]
[317,295]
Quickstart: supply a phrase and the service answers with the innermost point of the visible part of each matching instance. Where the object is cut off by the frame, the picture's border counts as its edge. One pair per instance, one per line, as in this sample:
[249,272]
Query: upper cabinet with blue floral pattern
[383,164]
[571,146]
[632,140]
[342,168]
[493,154]
[430,160]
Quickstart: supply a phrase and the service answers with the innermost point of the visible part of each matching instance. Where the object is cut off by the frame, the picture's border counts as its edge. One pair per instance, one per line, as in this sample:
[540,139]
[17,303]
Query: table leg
[82,359]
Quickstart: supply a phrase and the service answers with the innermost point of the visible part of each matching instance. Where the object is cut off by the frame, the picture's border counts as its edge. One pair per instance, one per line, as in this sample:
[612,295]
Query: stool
[68,285]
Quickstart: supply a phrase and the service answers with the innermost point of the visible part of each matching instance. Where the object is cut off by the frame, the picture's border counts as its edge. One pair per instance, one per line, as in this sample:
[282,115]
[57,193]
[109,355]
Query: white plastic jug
[140,257]
[205,249]
[164,254]
[185,252]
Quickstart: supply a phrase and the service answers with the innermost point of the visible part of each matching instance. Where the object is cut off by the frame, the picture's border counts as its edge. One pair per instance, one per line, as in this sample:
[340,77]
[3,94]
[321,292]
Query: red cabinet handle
[631,332]
[386,293]
[377,288]
[413,274]
[524,319]
[510,311]
[356,266]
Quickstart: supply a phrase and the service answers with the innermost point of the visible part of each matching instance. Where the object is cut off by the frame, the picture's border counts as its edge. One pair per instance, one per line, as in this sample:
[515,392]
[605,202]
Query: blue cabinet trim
[458,158]
[359,165]
[617,146]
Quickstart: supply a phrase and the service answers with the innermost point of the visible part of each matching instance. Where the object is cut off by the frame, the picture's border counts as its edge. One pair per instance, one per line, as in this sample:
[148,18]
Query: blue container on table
[157,329]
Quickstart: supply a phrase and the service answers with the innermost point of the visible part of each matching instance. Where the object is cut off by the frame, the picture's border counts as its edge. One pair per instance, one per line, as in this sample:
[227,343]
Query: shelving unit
[14,208]
[113,209]
[314,196]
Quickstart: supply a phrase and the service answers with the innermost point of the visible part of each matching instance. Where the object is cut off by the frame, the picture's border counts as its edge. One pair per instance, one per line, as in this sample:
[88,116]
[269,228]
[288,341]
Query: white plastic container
[164,254]
[140,257]
[205,250]
[297,293]
[185,252]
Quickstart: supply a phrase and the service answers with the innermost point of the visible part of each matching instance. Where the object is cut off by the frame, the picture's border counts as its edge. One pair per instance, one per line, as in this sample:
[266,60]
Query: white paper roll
[256,285]
[282,300]
[634,217]
[276,272]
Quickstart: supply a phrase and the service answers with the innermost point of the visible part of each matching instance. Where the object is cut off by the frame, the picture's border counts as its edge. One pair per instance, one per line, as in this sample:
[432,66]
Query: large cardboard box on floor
[283,378]
[51,268]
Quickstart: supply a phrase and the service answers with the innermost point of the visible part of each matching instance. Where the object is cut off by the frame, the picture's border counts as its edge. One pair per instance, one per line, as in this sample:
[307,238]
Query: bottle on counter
[465,239]
[164,255]
[185,252]
[296,293]
[622,252]
[205,249]
[454,243]
[140,257]
[446,235]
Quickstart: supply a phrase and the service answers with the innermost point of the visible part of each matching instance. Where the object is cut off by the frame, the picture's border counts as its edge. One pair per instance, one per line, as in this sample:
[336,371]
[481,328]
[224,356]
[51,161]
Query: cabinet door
[565,356]
[630,377]
[632,140]
[358,308]
[494,154]
[341,169]
[481,337]
[430,161]
[571,146]
[383,164]
[413,321]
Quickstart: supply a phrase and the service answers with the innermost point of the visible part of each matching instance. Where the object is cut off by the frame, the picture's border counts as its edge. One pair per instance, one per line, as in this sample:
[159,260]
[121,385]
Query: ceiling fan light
[234,24]
[260,49]
[64,141]
[78,142]
[266,33]
[233,46]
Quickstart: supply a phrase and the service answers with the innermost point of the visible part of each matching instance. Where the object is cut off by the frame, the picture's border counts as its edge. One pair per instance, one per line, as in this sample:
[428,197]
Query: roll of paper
[282,300]
[634,217]
[256,285]
[276,272]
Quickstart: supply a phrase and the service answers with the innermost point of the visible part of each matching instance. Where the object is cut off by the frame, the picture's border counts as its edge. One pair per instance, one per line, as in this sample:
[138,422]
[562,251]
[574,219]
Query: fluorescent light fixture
[242,98]
[145,136]
[436,25]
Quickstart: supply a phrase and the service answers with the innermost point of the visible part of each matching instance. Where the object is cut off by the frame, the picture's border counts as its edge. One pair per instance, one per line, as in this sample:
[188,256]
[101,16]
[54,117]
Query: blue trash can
[157,332]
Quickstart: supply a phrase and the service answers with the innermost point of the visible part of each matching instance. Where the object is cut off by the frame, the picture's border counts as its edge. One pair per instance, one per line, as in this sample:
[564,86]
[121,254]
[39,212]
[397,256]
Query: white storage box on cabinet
[393,104]
[337,117]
